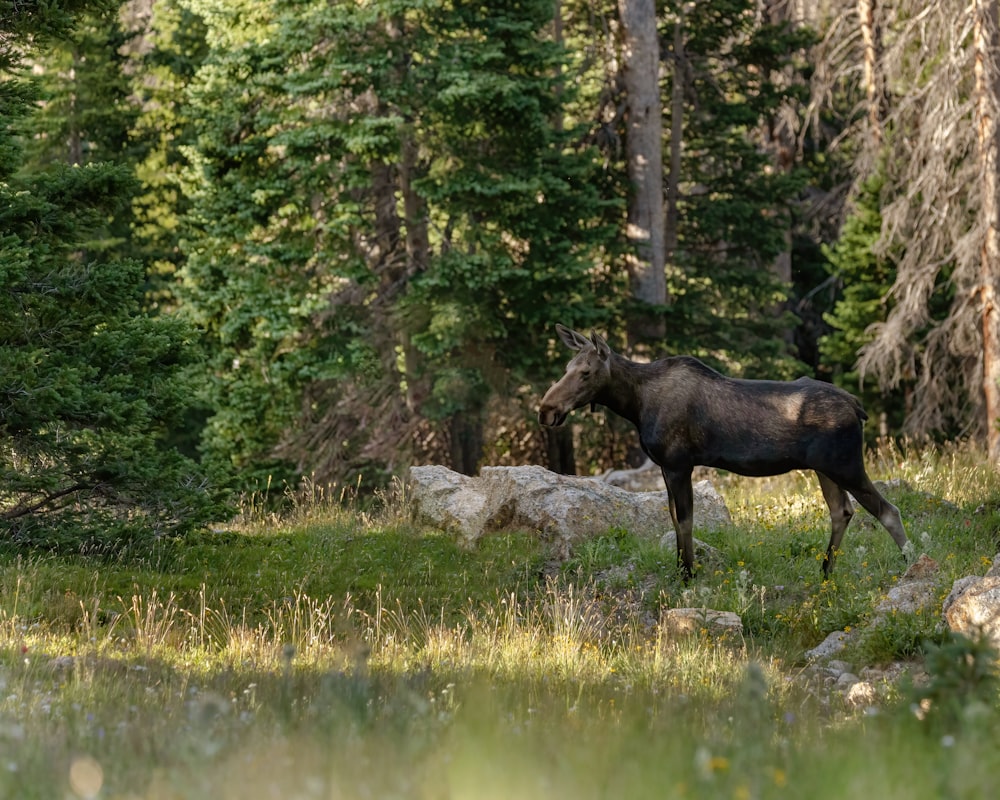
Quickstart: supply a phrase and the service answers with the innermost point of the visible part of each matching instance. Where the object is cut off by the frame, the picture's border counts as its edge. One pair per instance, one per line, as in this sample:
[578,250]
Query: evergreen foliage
[865,279]
[91,386]
[164,54]
[736,207]
[519,200]
[372,214]
[84,115]
[865,276]
[296,265]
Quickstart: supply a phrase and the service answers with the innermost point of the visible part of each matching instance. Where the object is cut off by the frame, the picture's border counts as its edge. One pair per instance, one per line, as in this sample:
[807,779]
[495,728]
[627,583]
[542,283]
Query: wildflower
[707,764]
[780,779]
[718,764]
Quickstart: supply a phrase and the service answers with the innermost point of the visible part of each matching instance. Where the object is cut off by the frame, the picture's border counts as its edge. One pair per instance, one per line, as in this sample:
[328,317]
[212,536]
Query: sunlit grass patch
[334,652]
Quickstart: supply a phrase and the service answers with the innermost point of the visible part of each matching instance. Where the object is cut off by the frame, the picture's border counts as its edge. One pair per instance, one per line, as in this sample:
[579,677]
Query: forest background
[245,244]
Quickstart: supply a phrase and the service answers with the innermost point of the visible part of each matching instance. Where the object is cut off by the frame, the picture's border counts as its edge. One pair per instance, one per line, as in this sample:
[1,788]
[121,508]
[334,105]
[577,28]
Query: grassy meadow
[335,651]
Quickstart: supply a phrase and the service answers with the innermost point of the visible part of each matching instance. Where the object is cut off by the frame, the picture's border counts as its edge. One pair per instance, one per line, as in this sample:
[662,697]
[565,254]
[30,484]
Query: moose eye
[585,374]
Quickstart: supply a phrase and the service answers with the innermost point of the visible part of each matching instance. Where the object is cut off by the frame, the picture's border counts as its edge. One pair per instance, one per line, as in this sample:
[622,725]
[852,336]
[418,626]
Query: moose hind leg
[841,512]
[884,511]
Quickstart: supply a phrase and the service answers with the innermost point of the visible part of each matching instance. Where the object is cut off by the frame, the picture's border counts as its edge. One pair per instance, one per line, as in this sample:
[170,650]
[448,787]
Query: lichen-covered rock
[916,590]
[449,500]
[646,478]
[973,608]
[565,508]
[686,621]
[710,509]
[829,647]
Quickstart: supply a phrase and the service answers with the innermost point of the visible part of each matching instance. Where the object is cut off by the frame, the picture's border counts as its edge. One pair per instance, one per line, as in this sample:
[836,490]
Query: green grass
[334,653]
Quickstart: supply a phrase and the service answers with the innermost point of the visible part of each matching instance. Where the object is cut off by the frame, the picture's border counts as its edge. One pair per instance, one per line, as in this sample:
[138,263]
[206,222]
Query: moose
[689,415]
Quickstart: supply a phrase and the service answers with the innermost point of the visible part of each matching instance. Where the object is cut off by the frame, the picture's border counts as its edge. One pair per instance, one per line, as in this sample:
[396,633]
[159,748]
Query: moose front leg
[682,514]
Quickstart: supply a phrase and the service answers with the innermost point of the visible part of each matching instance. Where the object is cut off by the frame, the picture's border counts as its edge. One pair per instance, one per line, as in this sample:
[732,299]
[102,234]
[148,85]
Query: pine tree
[85,113]
[380,246]
[523,209]
[166,45]
[90,384]
[735,208]
[934,210]
[864,277]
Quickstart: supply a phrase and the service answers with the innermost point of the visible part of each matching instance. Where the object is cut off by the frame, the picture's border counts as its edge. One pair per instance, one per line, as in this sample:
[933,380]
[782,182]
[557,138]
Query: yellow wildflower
[718,764]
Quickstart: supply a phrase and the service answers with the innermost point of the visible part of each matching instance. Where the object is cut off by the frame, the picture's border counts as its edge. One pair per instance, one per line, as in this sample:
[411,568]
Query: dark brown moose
[687,415]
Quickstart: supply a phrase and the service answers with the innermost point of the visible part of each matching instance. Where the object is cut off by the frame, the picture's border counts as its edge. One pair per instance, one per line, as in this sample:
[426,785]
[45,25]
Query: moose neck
[623,392]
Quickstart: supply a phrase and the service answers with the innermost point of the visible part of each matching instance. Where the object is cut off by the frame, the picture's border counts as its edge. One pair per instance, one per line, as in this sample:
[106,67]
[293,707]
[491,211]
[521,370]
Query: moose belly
[755,456]
[754,467]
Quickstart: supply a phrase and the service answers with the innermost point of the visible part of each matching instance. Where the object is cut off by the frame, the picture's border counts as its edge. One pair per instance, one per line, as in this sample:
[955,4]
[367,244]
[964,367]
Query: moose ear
[603,350]
[572,339]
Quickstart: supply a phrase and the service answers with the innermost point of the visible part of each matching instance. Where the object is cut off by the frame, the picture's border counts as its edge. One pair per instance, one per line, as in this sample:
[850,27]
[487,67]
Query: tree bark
[417,258]
[871,38]
[466,441]
[930,188]
[780,140]
[643,151]
[676,142]
[987,90]
[560,452]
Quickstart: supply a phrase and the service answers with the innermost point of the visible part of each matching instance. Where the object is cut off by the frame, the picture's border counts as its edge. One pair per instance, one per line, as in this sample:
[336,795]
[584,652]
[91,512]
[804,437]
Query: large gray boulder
[829,647]
[679,622]
[915,592]
[973,608]
[646,478]
[564,508]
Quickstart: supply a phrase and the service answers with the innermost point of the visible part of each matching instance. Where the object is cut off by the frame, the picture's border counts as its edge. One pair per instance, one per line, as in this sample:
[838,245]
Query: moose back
[689,415]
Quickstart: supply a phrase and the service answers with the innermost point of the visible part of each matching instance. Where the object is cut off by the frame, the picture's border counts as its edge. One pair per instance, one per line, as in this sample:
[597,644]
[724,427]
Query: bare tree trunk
[780,140]
[417,257]
[987,91]
[74,144]
[676,141]
[643,150]
[466,441]
[557,37]
[560,452]
[871,38]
